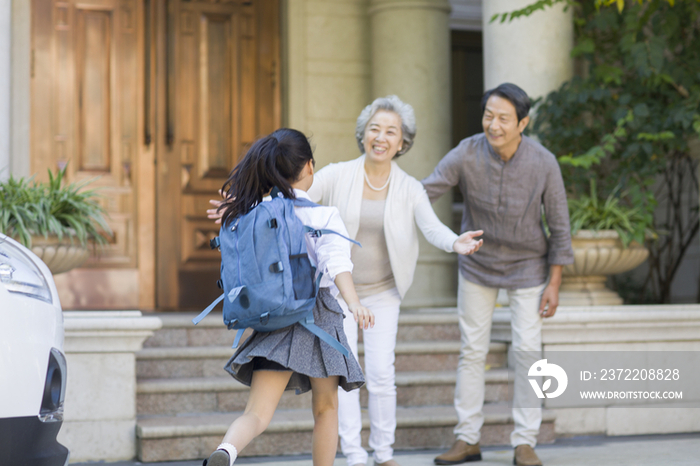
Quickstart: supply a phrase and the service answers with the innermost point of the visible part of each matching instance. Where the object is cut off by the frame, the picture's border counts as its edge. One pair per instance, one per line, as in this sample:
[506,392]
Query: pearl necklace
[372,187]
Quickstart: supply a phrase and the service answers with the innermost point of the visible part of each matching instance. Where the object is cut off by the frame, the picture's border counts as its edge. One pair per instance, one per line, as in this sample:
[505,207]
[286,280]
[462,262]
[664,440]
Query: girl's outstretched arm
[363,316]
[215,214]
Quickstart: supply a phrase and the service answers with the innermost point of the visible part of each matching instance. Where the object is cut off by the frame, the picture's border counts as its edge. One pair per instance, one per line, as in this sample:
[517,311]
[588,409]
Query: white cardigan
[407,205]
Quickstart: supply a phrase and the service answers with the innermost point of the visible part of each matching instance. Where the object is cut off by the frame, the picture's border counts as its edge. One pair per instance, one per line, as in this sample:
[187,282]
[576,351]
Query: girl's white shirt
[330,253]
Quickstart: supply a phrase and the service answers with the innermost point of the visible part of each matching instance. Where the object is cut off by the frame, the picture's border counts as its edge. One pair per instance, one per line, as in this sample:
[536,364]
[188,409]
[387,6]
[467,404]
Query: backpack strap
[237,340]
[317,283]
[209,308]
[301,202]
[316,232]
[308,324]
[324,231]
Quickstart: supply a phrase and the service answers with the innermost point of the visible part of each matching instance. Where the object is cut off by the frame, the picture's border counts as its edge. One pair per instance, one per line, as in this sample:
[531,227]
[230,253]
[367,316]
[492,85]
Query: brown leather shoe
[526,456]
[461,452]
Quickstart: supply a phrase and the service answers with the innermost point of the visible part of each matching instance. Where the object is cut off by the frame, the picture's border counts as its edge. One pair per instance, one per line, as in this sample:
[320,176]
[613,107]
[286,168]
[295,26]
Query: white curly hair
[390,103]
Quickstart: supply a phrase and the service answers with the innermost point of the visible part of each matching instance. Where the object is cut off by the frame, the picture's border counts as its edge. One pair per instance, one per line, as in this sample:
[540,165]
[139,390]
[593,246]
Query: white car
[32,364]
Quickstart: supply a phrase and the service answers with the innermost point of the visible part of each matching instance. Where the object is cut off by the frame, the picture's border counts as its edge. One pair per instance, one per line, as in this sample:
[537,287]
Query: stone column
[21,84]
[5,80]
[532,52]
[410,43]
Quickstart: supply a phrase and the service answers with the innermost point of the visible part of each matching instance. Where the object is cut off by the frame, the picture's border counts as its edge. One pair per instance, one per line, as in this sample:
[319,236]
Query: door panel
[215,99]
[86,82]
[221,95]
[93,67]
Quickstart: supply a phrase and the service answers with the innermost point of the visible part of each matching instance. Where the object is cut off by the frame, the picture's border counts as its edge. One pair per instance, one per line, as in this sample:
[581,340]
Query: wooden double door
[158,99]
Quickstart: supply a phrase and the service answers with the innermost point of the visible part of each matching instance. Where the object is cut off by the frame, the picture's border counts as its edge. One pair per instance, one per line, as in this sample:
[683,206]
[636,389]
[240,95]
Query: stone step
[193,437]
[414,325]
[208,361]
[224,394]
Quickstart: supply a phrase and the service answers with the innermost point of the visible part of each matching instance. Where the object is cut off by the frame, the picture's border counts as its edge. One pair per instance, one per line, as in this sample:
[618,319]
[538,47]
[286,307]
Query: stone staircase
[185,400]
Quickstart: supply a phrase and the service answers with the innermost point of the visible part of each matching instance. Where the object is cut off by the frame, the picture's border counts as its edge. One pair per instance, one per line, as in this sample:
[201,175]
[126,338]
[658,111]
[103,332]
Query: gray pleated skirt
[295,348]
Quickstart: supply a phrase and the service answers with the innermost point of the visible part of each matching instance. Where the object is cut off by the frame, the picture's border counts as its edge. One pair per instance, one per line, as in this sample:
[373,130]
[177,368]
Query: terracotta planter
[59,256]
[596,255]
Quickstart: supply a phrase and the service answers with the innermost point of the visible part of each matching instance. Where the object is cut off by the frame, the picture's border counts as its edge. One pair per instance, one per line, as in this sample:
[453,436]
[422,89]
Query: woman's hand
[363,316]
[215,214]
[466,244]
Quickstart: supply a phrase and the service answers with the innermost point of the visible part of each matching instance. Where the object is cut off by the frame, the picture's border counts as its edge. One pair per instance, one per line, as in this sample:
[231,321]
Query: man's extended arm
[445,175]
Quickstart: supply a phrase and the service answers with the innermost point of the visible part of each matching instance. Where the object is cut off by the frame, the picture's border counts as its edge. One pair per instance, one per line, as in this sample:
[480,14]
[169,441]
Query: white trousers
[476,304]
[380,343]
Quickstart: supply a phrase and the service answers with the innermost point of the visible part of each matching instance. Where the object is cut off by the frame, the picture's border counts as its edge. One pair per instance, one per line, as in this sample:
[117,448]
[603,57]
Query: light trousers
[379,343]
[476,304]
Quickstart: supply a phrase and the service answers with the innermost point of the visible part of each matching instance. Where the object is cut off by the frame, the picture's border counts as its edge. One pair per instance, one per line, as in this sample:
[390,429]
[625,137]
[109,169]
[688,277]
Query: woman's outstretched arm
[439,235]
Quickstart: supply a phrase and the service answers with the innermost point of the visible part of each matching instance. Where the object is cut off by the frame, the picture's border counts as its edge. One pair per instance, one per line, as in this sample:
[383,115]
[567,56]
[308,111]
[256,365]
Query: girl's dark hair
[272,161]
[513,94]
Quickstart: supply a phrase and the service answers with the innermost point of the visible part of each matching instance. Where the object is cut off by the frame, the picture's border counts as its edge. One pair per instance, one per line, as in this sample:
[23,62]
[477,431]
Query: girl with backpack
[292,357]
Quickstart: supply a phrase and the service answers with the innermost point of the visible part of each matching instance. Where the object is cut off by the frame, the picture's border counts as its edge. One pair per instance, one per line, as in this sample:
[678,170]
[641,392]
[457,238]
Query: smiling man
[507,180]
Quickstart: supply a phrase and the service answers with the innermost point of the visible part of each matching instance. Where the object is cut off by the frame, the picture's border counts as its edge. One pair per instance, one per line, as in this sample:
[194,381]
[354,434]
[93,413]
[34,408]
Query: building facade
[157,99]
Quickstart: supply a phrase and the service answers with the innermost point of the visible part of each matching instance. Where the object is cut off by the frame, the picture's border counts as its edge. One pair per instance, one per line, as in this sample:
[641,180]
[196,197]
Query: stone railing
[100,406]
[614,329]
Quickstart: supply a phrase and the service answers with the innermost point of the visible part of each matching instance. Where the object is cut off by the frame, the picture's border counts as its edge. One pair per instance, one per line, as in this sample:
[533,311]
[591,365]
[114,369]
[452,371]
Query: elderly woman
[382,207]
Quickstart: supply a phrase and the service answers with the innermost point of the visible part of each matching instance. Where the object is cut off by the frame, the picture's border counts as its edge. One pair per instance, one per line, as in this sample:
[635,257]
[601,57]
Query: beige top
[406,211]
[372,268]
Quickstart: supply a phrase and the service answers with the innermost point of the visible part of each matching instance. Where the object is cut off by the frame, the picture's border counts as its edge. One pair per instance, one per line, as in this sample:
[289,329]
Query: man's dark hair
[513,94]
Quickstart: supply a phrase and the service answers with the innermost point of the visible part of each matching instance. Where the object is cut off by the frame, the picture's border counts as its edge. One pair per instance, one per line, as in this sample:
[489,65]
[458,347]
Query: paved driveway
[652,450]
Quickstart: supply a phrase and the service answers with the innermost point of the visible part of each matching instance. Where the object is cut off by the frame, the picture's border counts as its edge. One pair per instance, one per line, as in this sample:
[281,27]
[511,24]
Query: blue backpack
[266,274]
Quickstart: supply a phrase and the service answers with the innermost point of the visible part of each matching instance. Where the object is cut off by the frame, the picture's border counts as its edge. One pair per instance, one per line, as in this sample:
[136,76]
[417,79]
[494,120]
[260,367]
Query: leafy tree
[629,119]
[543,4]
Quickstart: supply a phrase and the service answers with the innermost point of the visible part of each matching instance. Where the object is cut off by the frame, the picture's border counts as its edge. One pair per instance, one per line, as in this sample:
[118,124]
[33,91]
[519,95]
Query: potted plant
[56,221]
[608,237]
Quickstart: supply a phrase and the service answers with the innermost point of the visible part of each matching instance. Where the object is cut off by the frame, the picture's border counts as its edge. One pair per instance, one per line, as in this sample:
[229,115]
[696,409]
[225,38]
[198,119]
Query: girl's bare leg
[325,409]
[266,389]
